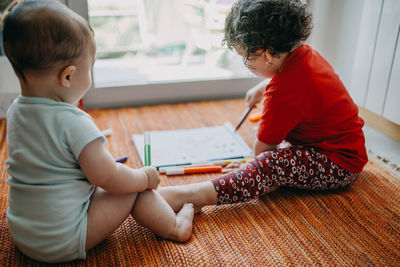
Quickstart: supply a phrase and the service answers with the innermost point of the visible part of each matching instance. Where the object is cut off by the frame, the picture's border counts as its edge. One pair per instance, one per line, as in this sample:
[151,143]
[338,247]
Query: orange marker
[255,117]
[189,170]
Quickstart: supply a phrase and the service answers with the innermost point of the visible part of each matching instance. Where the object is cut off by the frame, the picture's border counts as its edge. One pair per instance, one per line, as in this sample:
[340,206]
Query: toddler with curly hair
[305,105]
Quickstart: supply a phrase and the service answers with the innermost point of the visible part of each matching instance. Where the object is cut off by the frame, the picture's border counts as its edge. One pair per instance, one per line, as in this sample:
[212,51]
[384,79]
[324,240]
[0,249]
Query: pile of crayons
[201,167]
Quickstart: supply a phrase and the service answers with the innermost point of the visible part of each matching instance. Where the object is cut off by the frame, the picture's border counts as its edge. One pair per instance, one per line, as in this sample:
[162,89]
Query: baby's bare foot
[184,224]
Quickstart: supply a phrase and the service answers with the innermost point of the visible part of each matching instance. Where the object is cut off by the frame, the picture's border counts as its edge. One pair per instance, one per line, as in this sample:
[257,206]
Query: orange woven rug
[359,225]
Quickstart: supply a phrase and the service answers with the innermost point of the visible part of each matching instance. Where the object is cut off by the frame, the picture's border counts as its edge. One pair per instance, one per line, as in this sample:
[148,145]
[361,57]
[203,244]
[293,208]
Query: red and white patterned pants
[294,166]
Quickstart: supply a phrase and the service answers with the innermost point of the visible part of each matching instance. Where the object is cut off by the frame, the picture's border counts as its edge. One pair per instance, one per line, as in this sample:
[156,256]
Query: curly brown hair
[275,26]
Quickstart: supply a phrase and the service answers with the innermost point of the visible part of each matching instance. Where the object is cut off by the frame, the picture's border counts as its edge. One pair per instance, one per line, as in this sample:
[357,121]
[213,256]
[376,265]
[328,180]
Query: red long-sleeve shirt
[306,103]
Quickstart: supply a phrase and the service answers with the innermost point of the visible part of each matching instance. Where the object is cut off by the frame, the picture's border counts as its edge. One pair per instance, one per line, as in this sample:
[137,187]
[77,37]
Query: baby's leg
[107,211]
[154,213]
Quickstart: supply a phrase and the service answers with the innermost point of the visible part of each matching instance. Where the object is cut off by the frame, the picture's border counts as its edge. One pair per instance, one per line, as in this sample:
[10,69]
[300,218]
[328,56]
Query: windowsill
[142,81]
[125,75]
[142,70]
[172,92]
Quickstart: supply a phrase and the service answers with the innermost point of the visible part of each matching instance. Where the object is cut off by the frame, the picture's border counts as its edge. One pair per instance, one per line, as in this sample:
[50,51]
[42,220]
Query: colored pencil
[244,115]
[228,161]
[221,161]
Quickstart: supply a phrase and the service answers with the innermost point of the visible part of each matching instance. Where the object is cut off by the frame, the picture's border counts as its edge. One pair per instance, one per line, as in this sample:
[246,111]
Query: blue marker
[122,159]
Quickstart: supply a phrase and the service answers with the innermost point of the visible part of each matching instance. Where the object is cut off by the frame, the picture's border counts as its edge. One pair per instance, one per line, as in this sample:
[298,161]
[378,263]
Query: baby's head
[43,35]
[275,26]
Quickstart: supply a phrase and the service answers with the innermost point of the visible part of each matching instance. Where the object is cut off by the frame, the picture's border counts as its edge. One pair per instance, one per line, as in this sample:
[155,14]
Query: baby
[67,193]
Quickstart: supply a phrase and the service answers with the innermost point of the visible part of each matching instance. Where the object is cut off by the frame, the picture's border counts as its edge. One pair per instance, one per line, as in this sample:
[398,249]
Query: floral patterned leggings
[294,166]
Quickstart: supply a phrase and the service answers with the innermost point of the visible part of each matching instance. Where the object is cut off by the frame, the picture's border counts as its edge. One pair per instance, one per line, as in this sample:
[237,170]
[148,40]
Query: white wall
[335,33]
[365,49]
[361,40]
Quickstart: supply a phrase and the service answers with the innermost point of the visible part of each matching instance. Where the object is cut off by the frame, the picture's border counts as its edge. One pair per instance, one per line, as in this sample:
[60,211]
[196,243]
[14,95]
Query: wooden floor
[359,225]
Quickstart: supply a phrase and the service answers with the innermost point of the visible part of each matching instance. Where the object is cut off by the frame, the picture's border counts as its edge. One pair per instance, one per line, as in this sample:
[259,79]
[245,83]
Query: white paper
[180,147]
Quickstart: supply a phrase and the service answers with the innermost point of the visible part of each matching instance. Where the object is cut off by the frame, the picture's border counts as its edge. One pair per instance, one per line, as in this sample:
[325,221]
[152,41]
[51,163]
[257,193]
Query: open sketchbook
[183,147]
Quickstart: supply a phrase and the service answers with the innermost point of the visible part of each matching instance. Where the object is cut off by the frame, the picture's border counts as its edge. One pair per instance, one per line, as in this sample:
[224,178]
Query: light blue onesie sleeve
[49,194]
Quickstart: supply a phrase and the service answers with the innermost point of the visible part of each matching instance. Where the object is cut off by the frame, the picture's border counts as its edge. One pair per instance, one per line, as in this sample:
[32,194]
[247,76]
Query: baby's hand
[152,176]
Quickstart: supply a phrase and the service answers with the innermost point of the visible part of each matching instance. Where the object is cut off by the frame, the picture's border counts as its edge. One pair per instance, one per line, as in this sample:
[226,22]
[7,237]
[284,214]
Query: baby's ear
[66,75]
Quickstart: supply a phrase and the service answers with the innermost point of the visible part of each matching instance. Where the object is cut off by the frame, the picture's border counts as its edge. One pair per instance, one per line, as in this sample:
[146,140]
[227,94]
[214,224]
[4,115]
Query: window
[162,51]
[161,41]
[5,6]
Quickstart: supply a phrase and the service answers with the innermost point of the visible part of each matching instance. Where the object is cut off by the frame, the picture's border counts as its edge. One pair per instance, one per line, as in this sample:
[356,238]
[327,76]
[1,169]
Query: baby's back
[49,194]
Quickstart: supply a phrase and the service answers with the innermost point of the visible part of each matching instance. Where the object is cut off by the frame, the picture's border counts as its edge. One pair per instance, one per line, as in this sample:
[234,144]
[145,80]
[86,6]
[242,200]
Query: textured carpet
[359,225]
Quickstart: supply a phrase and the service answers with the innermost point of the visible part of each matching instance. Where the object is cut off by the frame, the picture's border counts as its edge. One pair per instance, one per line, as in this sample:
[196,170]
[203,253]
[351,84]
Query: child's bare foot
[197,194]
[184,224]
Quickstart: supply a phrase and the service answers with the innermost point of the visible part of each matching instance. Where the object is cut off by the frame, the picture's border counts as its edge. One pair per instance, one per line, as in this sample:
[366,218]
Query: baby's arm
[101,169]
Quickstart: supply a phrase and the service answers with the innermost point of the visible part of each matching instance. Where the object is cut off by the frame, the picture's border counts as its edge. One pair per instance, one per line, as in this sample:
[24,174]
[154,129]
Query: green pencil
[147,149]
